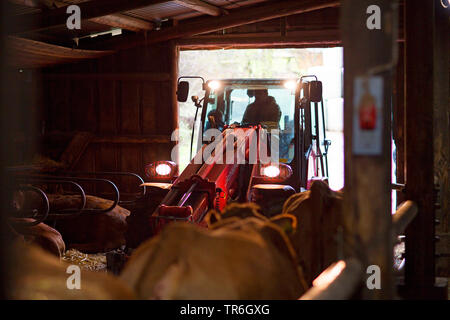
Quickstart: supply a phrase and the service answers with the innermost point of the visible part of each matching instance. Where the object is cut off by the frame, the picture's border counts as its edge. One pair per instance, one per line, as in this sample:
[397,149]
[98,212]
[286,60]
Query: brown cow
[91,232]
[36,275]
[41,234]
[319,215]
[238,259]
[88,232]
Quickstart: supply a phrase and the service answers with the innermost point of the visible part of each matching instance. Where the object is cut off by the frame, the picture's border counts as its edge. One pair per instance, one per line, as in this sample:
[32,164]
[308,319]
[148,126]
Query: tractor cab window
[240,105]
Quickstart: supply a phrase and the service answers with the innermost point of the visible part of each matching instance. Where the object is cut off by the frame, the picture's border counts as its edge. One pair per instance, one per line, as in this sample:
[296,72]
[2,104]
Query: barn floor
[97,261]
[92,262]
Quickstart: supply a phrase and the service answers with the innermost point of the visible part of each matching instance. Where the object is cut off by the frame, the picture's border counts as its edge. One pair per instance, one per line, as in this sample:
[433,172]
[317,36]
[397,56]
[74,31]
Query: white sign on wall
[368,115]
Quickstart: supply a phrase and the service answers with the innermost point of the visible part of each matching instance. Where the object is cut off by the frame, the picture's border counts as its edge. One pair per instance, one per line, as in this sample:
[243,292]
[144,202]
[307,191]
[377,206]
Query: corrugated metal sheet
[160,11]
[174,10]
[232,4]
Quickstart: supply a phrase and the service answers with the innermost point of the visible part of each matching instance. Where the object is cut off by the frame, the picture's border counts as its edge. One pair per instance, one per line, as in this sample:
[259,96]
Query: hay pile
[92,262]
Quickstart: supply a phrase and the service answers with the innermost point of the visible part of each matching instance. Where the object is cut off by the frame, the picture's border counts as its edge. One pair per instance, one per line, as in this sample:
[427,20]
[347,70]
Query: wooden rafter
[90,10]
[237,17]
[26,53]
[202,6]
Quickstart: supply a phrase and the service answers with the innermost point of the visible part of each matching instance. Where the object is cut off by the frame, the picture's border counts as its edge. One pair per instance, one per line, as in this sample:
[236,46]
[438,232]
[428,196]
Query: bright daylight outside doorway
[325,63]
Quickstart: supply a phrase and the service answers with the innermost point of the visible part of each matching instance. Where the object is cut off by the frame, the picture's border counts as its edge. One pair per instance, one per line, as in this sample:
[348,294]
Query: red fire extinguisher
[367,111]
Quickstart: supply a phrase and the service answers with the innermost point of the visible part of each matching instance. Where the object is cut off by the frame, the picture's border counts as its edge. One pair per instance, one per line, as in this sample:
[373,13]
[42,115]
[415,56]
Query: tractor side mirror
[315,91]
[182,91]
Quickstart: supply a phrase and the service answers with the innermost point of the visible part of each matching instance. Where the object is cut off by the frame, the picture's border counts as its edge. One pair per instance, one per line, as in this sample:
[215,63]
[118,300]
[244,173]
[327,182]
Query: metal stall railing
[74,180]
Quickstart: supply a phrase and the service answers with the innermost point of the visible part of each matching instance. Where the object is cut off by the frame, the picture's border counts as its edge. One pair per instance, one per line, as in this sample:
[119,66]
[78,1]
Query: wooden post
[367,193]
[442,139]
[424,102]
[398,129]
[175,55]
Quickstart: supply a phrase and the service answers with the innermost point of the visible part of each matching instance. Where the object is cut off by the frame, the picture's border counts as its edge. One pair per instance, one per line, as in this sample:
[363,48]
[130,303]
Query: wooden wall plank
[87,164]
[150,108]
[59,110]
[131,161]
[83,114]
[107,107]
[129,108]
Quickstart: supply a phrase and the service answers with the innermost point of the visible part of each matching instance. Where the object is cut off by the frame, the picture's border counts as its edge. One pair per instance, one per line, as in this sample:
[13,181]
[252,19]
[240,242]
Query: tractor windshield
[250,102]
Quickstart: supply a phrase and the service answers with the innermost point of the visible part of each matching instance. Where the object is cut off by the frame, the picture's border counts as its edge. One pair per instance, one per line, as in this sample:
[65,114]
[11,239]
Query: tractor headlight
[214,85]
[278,172]
[161,170]
[271,171]
[290,84]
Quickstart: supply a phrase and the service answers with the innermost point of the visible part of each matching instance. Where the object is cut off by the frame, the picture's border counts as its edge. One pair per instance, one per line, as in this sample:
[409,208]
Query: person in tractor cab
[215,120]
[263,109]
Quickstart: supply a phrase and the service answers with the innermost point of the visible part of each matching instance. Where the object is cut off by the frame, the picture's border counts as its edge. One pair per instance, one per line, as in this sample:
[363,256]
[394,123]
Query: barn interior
[91,96]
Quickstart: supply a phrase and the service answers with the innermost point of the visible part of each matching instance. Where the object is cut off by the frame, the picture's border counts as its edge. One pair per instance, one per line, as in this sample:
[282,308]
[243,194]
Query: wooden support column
[442,139]
[398,128]
[174,57]
[424,104]
[6,84]
[367,193]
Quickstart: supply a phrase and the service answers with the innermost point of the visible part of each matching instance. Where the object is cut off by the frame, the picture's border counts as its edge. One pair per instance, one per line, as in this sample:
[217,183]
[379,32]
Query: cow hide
[239,259]
[37,275]
[319,215]
[91,232]
[41,234]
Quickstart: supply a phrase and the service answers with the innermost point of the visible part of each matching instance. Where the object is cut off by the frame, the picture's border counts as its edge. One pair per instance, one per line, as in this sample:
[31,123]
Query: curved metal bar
[119,173]
[308,76]
[398,186]
[114,187]
[338,282]
[44,178]
[69,212]
[46,203]
[65,212]
[405,213]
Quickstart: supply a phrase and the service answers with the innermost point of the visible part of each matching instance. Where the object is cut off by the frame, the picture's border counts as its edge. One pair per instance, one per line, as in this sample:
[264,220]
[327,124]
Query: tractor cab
[292,109]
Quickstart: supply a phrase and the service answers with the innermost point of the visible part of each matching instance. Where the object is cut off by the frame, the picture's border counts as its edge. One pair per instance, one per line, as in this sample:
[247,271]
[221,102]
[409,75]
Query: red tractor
[260,140]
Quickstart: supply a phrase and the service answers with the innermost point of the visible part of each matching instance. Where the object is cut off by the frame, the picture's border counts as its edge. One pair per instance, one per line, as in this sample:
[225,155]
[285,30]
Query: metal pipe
[338,282]
[403,217]
[398,186]
[46,203]
[66,212]
[52,179]
[119,173]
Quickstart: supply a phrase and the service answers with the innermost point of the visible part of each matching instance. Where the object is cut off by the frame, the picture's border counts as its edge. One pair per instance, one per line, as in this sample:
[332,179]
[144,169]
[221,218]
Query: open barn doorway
[325,63]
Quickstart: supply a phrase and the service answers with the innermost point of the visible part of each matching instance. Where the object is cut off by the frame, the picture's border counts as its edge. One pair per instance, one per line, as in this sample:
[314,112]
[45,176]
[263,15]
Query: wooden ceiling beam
[203,7]
[89,10]
[237,17]
[29,3]
[316,37]
[117,20]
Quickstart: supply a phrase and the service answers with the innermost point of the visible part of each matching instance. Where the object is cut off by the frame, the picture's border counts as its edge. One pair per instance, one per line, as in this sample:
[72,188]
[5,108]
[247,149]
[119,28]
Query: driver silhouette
[263,109]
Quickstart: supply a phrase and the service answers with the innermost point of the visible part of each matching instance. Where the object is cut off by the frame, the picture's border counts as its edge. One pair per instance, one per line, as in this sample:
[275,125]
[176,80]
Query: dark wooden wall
[126,101]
